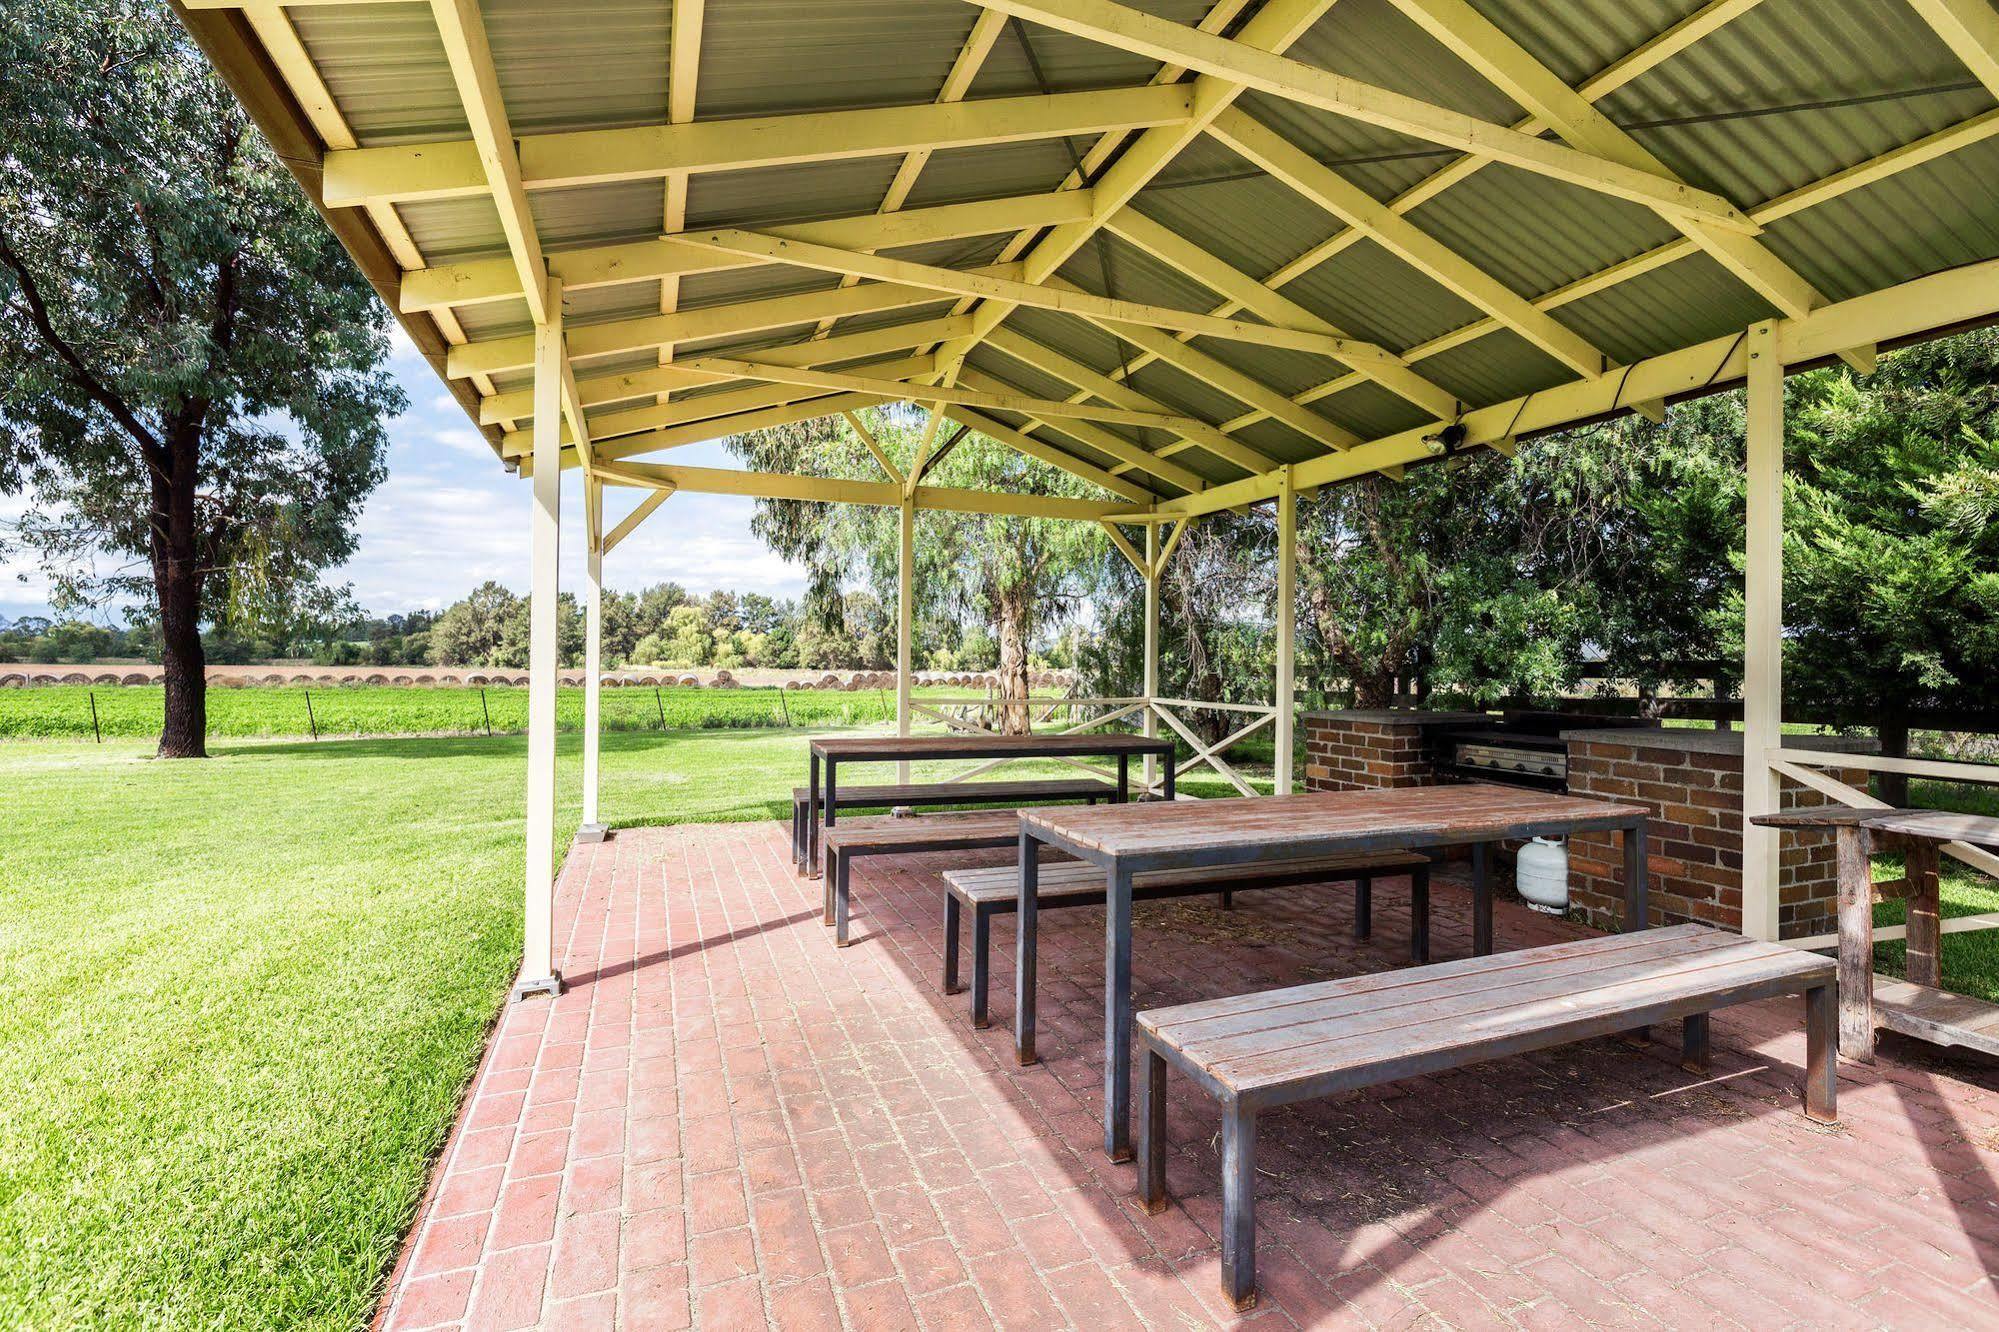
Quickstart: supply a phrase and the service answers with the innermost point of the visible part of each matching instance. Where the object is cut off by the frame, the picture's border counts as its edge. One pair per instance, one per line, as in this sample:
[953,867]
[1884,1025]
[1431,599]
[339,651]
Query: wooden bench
[1258,1051]
[975,830]
[1025,791]
[993,891]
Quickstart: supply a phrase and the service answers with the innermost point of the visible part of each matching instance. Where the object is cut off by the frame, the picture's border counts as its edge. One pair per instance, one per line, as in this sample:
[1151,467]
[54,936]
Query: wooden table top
[1937,825]
[965,745]
[1320,822]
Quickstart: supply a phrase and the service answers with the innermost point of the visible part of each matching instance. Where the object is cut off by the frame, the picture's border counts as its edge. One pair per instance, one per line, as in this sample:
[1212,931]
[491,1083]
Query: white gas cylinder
[1541,875]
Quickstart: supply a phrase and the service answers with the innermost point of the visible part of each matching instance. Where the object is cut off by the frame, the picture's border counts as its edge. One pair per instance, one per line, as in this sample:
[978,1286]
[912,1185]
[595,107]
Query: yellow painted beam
[494,355]
[1090,383]
[478,281]
[1941,300]
[1508,66]
[1103,441]
[603,389]
[1402,238]
[632,520]
[1067,300]
[1042,451]
[1176,251]
[463,31]
[825,490]
[1970,28]
[1141,33]
[719,367]
[655,415]
[448,169]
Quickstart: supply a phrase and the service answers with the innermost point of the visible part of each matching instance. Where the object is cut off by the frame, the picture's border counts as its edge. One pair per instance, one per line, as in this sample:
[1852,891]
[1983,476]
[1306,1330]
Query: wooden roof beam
[481,281]
[452,169]
[1133,30]
[1069,300]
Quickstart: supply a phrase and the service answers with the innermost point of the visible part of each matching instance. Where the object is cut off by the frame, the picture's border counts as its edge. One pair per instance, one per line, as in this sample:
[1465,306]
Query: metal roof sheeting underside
[1783,95]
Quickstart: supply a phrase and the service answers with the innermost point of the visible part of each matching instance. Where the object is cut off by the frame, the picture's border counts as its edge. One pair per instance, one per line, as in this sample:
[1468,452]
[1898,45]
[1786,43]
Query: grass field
[133,712]
[239,998]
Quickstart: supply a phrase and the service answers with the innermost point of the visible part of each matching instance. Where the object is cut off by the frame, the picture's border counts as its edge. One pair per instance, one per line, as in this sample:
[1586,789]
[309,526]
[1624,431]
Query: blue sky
[449,517]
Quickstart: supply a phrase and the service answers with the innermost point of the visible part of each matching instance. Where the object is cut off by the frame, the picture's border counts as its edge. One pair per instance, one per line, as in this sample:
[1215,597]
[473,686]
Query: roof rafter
[1970,28]
[1134,30]
[1028,446]
[1083,432]
[1091,383]
[1275,27]
[723,368]
[734,319]
[1069,300]
[479,281]
[1177,252]
[1476,40]
[1402,238]
[451,169]
[464,33]
[1841,183]
[819,489]
[1924,304]
[965,68]
[751,396]
[604,389]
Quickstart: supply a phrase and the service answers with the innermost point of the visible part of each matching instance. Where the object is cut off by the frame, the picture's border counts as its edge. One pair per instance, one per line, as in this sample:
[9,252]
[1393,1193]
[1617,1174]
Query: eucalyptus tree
[192,382]
[1016,575]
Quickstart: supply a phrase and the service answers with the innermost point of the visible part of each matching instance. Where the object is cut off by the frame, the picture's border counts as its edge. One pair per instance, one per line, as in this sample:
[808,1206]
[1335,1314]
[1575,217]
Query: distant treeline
[661,626]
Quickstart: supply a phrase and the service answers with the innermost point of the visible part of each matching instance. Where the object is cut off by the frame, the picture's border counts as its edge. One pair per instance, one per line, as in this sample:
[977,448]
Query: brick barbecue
[1691,779]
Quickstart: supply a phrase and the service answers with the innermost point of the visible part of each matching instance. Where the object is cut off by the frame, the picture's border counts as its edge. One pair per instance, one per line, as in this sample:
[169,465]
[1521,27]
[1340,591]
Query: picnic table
[832,751]
[1124,841]
[1917,1005]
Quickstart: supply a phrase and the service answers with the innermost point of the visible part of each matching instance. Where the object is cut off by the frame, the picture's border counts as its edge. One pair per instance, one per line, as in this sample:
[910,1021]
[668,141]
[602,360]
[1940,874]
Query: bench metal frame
[1059,790]
[956,900]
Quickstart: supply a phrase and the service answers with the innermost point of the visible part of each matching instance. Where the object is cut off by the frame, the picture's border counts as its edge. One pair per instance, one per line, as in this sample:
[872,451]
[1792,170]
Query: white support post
[538,968]
[1151,682]
[1287,620]
[905,616]
[593,829]
[1763,630]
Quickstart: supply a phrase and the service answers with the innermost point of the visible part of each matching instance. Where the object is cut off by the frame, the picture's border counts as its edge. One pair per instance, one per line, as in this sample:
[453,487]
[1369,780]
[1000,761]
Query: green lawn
[134,711]
[239,998]
[1970,961]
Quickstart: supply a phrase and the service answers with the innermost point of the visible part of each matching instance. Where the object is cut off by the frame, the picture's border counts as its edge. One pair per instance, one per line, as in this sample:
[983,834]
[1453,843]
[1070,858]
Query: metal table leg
[1025,929]
[1637,871]
[1117,1013]
[1481,899]
[810,866]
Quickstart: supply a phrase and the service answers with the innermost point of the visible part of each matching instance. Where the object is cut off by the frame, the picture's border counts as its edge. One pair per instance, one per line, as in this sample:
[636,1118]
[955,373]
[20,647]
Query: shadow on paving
[1376,1186]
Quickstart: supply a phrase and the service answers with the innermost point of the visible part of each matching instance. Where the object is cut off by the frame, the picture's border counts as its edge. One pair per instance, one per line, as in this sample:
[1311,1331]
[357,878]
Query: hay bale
[135,678]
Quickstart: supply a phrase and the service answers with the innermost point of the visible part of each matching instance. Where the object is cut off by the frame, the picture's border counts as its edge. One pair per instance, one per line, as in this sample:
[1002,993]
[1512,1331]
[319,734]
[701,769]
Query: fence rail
[1804,767]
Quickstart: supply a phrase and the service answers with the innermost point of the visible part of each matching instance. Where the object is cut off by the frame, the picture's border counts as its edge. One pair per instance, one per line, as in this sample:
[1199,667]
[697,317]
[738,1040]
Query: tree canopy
[191,370]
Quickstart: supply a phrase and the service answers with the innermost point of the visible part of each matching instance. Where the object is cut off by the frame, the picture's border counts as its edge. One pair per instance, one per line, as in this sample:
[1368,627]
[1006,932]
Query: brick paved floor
[727,1122]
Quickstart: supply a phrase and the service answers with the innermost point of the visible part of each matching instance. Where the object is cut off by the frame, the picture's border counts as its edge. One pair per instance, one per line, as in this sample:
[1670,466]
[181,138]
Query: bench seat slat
[1309,1041]
[1303,1006]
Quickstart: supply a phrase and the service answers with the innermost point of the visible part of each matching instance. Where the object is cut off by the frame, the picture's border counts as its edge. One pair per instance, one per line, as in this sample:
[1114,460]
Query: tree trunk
[1893,787]
[177,577]
[1013,665]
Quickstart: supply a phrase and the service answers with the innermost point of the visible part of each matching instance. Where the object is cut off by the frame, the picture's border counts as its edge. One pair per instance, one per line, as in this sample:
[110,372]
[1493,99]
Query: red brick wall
[1695,848]
[1361,750]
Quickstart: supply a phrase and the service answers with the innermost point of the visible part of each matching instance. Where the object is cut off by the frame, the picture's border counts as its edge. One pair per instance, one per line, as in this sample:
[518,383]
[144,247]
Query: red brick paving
[728,1123]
